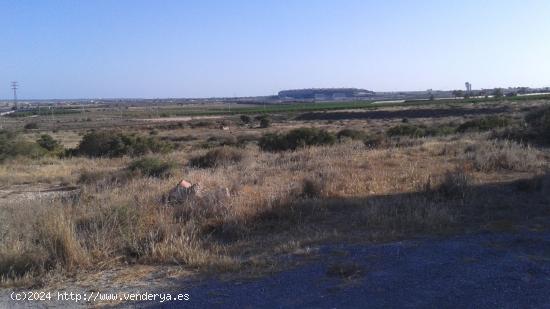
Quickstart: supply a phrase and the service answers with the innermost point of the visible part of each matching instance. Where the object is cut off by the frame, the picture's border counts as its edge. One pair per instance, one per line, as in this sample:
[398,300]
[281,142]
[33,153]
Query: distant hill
[325,93]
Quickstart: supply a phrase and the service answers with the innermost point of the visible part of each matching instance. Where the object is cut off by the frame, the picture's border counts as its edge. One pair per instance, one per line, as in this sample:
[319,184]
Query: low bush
[245,119]
[152,167]
[375,141]
[296,138]
[25,149]
[484,124]
[539,123]
[244,139]
[406,130]
[201,124]
[417,131]
[440,130]
[49,143]
[217,141]
[351,134]
[31,126]
[178,139]
[503,155]
[218,157]
[265,123]
[453,185]
[11,146]
[105,179]
[109,144]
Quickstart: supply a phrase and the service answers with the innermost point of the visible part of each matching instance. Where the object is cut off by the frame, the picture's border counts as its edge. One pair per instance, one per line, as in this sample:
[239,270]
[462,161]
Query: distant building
[468,87]
[325,94]
[319,97]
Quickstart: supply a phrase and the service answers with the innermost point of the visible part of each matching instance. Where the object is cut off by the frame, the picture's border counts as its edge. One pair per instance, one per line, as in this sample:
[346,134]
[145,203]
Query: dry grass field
[396,173]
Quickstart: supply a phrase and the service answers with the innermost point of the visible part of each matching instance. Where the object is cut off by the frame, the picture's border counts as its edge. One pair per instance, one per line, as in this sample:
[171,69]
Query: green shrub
[12,146]
[296,138]
[108,144]
[246,119]
[539,123]
[49,143]
[265,123]
[453,185]
[406,130]
[440,130]
[152,167]
[26,149]
[272,142]
[218,157]
[201,124]
[312,188]
[484,124]
[105,179]
[375,141]
[420,130]
[244,139]
[216,141]
[31,126]
[351,134]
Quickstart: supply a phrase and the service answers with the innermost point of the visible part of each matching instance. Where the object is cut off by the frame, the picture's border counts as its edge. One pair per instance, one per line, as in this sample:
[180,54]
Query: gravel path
[477,271]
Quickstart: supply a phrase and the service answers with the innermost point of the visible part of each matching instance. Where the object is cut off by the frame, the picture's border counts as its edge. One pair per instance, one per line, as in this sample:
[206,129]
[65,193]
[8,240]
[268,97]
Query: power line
[14,86]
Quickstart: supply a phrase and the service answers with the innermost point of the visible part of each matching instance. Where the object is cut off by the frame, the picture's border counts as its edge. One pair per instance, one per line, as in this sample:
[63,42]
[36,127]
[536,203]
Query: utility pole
[14,86]
[51,111]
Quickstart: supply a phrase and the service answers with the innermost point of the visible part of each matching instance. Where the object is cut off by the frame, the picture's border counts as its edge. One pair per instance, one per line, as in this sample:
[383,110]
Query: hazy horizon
[143,49]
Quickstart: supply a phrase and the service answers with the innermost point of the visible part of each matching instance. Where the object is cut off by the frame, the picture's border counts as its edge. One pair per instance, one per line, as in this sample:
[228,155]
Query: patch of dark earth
[486,270]
[400,114]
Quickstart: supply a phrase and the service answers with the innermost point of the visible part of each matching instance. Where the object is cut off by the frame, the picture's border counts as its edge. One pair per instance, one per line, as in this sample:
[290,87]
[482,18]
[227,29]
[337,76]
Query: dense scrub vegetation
[539,123]
[218,157]
[31,126]
[407,130]
[152,167]
[416,131]
[475,125]
[296,138]
[109,144]
[12,145]
[484,124]
[245,119]
[351,134]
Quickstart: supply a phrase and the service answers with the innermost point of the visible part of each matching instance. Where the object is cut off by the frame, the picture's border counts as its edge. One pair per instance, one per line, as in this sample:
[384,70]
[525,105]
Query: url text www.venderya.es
[97,296]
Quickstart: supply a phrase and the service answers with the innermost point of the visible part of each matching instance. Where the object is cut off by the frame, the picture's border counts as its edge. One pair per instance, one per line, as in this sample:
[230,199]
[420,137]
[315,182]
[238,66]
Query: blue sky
[150,49]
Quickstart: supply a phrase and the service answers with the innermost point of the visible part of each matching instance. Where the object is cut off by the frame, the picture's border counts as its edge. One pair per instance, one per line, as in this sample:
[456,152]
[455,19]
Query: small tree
[31,126]
[498,93]
[265,123]
[47,142]
[245,119]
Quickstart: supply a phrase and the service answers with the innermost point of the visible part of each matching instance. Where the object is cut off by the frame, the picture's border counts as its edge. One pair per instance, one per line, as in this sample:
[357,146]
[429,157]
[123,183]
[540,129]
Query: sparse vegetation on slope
[484,124]
[12,145]
[300,186]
